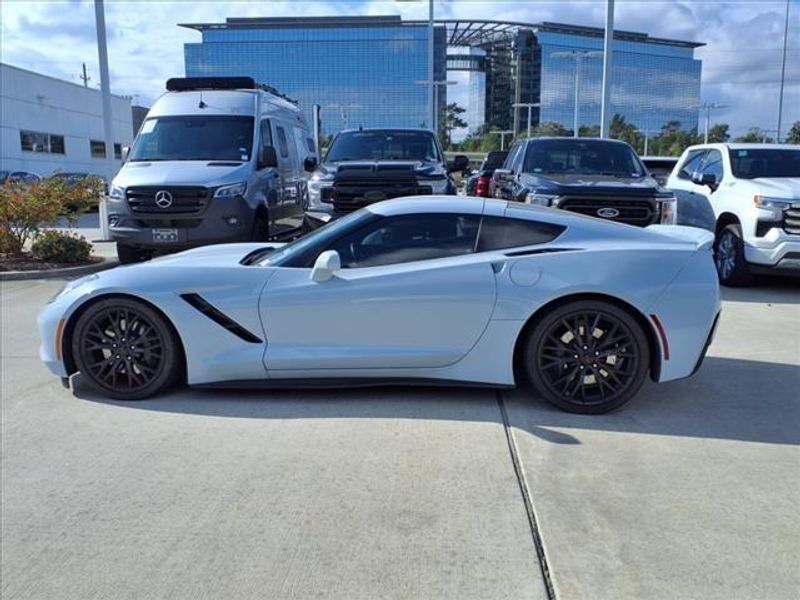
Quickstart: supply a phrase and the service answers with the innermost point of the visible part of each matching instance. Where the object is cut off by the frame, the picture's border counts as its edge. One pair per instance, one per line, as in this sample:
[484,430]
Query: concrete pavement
[688,492]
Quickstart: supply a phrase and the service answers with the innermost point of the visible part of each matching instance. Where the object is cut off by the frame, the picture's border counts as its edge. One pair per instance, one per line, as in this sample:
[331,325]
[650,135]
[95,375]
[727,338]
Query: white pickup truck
[754,190]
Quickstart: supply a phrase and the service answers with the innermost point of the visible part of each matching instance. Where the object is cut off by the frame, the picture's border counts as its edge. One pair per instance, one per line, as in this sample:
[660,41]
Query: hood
[569,182]
[778,187]
[414,168]
[182,172]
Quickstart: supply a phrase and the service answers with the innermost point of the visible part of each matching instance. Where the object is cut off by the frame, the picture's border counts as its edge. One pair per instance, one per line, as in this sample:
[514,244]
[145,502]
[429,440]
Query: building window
[97,148]
[118,151]
[35,141]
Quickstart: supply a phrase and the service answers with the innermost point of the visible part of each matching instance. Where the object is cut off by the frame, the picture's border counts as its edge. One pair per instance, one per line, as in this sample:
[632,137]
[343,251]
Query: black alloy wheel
[126,349]
[587,357]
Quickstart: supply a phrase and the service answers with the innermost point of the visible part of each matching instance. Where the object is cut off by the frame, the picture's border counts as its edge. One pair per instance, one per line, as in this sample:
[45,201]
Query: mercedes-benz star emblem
[163,199]
[608,213]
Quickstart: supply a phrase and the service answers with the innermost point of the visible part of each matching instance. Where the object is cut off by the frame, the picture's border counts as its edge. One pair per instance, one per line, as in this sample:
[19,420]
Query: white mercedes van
[218,159]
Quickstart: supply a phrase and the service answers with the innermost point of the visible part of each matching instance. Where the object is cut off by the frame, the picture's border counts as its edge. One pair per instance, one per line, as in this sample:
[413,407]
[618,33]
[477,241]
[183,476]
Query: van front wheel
[131,254]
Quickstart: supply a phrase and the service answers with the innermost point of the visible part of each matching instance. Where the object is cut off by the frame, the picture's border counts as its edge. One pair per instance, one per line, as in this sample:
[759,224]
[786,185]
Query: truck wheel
[260,231]
[131,254]
[729,258]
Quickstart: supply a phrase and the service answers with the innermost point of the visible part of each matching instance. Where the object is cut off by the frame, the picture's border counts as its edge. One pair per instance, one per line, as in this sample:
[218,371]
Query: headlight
[318,191]
[229,191]
[541,199]
[776,203]
[669,211]
[71,285]
[117,192]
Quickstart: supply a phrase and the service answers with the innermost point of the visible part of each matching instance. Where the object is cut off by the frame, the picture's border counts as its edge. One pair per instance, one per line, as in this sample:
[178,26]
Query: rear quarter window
[499,233]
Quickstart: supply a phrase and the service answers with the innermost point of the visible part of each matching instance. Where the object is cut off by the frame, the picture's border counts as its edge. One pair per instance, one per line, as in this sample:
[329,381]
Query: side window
[408,238]
[300,142]
[713,164]
[512,156]
[283,145]
[519,158]
[498,233]
[692,164]
[266,134]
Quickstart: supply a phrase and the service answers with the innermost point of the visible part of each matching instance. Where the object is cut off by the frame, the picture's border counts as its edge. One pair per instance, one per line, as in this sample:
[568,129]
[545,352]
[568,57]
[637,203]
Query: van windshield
[194,138]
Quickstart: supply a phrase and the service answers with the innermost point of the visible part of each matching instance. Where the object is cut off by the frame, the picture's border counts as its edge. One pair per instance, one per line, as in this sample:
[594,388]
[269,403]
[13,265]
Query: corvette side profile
[412,290]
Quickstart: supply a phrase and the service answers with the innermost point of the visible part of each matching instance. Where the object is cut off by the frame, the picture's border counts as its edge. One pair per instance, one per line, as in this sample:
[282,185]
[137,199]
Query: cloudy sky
[741,62]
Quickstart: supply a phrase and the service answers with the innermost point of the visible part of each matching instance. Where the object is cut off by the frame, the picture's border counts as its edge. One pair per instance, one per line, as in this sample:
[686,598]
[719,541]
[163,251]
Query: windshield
[750,164]
[194,138]
[384,145]
[569,156]
[303,250]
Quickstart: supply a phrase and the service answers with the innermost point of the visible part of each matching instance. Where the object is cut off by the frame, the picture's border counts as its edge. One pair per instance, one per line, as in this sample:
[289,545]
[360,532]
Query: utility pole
[529,106]
[85,77]
[105,87]
[435,85]
[708,107]
[783,72]
[503,135]
[605,102]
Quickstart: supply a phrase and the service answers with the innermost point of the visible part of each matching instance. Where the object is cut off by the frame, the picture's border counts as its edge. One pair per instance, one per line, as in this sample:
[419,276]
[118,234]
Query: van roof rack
[186,84]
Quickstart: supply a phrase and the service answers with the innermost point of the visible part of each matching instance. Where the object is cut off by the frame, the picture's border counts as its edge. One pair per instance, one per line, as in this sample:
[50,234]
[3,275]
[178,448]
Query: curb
[106,263]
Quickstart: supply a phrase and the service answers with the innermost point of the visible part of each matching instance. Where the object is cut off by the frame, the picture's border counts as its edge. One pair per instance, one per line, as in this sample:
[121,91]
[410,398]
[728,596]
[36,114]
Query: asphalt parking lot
[690,491]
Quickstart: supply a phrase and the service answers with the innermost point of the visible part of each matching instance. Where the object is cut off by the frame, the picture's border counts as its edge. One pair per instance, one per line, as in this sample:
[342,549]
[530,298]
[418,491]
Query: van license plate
[164,236]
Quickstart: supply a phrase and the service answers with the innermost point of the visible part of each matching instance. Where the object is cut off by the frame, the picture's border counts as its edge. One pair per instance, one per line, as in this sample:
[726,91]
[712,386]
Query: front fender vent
[220,318]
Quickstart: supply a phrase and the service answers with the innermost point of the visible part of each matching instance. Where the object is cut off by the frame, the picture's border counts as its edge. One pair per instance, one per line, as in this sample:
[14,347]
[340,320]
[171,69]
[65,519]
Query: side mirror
[325,266]
[267,157]
[126,150]
[460,162]
[707,179]
[503,175]
[310,163]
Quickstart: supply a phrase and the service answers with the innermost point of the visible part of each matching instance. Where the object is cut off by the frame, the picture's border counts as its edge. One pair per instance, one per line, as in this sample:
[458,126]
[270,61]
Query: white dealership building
[53,125]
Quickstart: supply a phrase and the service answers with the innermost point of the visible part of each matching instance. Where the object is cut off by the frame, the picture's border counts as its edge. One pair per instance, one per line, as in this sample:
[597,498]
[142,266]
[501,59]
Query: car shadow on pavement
[766,290]
[727,399]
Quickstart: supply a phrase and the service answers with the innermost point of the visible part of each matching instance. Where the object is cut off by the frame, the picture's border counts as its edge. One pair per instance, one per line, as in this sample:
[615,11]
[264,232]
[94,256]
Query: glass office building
[362,71]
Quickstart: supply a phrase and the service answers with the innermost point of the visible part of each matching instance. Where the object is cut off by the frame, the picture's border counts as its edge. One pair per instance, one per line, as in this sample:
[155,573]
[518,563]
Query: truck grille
[791,220]
[185,199]
[633,212]
[352,196]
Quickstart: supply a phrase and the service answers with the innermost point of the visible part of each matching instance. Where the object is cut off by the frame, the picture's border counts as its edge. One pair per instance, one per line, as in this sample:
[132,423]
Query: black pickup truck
[597,177]
[369,165]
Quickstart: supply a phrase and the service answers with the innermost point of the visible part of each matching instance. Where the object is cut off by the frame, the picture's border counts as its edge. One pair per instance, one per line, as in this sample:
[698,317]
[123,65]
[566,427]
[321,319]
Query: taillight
[482,189]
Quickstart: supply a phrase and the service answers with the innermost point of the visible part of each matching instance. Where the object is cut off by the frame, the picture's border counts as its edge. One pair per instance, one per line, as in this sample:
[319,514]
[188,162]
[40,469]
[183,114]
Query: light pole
[105,90]
[783,73]
[577,56]
[605,98]
[431,76]
[708,107]
[503,133]
[435,85]
[529,106]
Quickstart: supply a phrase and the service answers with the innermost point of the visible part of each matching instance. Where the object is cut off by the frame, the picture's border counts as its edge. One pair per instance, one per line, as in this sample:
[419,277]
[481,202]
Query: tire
[260,231]
[131,254]
[732,267]
[582,371]
[150,365]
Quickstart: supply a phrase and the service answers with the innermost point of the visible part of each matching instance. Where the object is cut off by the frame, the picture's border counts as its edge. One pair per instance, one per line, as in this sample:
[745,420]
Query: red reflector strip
[662,334]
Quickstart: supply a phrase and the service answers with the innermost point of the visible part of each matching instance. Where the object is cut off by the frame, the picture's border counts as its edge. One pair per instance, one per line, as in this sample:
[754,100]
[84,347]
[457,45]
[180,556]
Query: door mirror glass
[267,157]
[310,163]
[708,179]
[325,266]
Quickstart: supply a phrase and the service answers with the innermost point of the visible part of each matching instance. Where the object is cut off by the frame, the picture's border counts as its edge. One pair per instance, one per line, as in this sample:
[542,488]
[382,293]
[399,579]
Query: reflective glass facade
[652,83]
[362,70]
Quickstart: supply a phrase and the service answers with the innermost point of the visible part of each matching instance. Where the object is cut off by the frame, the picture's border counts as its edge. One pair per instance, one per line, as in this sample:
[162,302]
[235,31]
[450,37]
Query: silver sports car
[414,290]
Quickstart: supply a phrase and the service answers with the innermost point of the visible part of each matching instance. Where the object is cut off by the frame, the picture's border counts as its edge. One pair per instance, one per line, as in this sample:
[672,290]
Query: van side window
[283,146]
[266,134]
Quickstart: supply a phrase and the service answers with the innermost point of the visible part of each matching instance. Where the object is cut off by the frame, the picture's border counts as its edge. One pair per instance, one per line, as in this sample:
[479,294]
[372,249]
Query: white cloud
[741,62]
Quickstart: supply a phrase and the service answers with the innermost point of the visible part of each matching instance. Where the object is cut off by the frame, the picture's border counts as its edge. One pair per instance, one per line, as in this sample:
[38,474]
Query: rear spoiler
[701,238]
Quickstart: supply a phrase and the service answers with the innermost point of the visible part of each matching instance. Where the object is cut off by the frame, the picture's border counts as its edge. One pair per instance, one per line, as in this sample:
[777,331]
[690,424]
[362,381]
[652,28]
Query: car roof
[744,146]
[661,158]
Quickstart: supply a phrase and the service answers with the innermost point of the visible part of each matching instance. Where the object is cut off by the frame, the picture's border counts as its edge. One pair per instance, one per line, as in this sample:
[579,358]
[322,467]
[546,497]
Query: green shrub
[26,209]
[60,247]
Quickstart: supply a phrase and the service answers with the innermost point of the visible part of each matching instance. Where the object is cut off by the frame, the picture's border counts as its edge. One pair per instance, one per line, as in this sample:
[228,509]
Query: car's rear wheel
[587,357]
[729,258]
[126,349]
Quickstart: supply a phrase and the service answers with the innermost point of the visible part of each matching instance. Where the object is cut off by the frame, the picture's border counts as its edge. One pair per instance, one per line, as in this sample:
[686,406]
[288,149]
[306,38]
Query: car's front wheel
[729,258]
[126,349]
[587,357]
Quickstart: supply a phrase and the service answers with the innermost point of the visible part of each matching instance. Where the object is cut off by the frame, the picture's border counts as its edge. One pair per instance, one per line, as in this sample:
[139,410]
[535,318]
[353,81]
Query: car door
[411,293]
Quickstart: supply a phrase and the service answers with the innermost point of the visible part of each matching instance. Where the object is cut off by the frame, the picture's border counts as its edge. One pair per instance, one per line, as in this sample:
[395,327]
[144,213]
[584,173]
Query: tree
[793,137]
[755,135]
[452,120]
[672,140]
[620,129]
[718,133]
[550,129]
[589,131]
